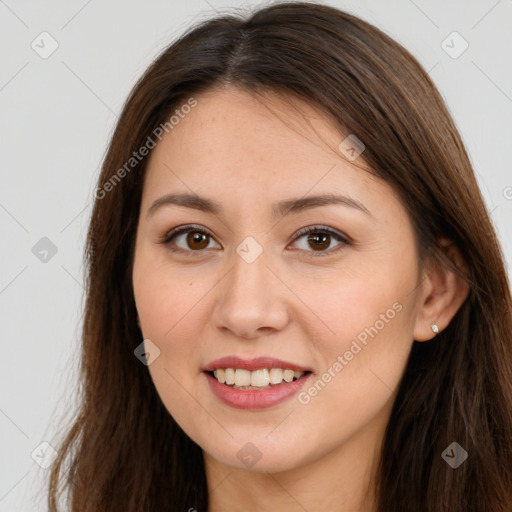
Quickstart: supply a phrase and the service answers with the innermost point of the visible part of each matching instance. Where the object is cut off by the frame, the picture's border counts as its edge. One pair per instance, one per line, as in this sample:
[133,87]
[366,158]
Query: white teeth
[276,375]
[260,378]
[220,375]
[264,378]
[229,374]
[242,377]
[288,375]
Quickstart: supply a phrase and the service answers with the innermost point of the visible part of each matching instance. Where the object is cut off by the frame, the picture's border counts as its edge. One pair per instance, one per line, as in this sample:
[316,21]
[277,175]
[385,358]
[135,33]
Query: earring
[435,328]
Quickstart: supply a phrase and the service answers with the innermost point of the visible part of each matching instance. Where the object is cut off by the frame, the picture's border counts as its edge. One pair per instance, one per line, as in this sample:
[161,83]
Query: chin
[258,455]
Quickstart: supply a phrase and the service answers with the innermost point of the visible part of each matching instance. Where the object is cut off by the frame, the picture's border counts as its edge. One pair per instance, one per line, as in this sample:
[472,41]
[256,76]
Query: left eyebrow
[280,209]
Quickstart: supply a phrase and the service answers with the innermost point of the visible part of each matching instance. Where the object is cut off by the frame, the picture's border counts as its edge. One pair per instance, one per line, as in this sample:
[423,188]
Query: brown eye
[187,239]
[197,239]
[318,239]
[194,240]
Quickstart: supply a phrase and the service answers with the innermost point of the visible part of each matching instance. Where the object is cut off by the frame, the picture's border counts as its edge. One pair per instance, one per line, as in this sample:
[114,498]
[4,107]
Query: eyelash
[302,232]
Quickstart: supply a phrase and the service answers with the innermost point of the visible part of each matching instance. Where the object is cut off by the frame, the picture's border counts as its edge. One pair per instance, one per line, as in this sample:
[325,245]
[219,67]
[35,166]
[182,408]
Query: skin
[246,154]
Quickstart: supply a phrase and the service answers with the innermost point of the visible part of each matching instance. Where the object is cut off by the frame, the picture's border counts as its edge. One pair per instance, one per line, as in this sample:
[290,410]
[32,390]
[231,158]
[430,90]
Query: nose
[252,301]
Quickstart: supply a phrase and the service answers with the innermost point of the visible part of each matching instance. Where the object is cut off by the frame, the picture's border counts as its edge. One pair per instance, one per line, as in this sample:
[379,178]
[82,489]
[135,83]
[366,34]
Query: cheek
[365,335]
[165,305]
[360,307]
[168,308]
[164,296]
[362,364]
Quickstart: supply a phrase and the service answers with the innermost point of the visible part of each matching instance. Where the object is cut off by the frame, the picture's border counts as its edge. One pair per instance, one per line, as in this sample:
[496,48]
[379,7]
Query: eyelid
[324,229]
[316,228]
[180,230]
[185,228]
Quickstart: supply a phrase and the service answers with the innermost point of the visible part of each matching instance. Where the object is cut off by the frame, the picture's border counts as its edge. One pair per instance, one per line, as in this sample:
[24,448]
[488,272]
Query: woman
[296,299]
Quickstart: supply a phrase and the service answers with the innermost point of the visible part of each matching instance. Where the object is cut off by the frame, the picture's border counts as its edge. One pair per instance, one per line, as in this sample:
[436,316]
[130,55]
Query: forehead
[268,126]
[237,145]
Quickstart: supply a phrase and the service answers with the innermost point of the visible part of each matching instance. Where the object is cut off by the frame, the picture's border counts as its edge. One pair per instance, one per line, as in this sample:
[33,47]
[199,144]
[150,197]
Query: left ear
[443,292]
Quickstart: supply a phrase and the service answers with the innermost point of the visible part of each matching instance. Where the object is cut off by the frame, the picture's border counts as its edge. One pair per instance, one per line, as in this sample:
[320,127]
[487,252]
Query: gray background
[57,114]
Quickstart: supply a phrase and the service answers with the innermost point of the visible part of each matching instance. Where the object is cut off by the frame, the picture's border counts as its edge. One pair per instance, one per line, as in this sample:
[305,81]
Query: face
[246,291]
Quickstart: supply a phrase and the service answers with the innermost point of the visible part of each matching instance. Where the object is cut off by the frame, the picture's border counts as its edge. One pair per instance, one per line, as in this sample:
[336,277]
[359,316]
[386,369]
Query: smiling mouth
[257,380]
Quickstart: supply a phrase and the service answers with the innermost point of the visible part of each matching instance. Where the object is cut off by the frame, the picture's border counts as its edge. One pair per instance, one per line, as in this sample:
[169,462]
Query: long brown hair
[124,451]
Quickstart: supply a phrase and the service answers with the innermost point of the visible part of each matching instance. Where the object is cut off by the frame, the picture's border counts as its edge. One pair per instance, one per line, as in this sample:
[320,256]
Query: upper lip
[253,364]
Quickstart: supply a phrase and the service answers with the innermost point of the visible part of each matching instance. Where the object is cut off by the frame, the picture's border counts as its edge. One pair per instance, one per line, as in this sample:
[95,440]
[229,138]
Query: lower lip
[246,399]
